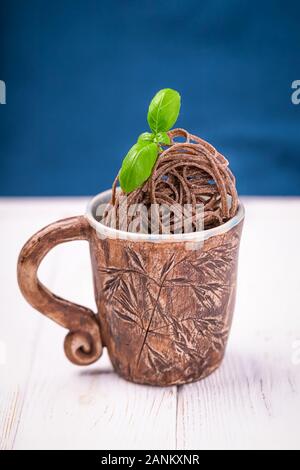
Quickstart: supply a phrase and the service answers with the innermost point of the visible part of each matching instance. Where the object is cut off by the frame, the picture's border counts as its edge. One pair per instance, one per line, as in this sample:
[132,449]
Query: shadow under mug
[165,302]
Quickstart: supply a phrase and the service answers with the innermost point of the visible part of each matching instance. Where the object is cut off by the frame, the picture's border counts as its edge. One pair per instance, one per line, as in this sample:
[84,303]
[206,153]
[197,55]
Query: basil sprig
[163,110]
[159,138]
[138,164]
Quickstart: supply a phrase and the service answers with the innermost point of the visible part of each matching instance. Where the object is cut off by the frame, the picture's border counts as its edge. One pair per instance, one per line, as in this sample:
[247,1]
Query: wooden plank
[69,407]
[253,401]
[19,324]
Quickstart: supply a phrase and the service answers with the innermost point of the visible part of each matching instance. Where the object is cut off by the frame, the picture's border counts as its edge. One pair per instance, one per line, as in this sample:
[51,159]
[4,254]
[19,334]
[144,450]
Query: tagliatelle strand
[190,172]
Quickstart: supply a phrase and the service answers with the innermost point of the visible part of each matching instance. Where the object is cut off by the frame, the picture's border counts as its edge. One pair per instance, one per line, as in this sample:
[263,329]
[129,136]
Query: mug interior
[105,231]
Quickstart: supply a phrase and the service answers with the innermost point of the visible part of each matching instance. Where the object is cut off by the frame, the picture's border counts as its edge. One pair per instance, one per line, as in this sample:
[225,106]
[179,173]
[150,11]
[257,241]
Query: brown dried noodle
[190,172]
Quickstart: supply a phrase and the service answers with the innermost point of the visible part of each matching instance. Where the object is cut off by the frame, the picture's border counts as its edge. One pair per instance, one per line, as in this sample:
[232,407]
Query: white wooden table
[252,401]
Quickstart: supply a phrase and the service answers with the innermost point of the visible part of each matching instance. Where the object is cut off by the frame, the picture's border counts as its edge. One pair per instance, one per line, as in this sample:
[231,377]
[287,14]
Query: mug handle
[83,343]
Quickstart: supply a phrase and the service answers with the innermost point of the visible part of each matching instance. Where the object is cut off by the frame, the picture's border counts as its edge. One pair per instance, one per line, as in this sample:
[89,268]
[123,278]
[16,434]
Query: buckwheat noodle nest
[186,172]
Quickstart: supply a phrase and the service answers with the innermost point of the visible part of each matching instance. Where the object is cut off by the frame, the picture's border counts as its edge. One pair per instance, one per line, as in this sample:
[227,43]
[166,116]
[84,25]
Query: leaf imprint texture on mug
[149,314]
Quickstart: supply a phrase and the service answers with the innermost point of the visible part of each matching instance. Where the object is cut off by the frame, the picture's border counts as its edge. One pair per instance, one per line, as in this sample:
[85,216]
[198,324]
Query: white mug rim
[109,232]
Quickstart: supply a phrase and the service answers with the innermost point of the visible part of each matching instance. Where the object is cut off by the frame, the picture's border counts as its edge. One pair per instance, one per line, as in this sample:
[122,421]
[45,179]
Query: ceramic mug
[165,302]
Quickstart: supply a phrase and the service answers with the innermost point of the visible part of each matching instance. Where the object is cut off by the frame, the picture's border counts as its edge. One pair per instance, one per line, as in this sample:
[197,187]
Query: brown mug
[165,302]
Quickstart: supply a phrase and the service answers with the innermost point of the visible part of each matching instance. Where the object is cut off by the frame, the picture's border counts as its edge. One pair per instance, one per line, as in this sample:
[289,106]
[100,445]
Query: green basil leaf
[137,166]
[146,137]
[163,110]
[162,138]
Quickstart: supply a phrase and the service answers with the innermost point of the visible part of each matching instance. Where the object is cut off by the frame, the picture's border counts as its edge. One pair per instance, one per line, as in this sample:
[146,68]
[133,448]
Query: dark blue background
[80,75]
